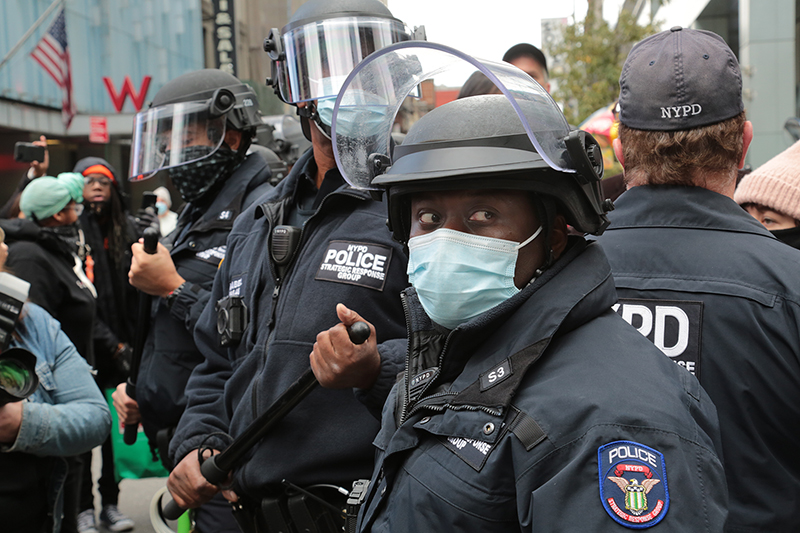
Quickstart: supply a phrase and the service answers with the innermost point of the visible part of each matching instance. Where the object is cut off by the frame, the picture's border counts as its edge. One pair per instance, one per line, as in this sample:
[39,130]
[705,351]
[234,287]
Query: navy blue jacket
[346,255]
[198,246]
[519,419]
[732,315]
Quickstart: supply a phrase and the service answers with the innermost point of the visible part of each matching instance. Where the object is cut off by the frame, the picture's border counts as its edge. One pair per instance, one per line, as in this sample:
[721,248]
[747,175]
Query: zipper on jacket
[406,313]
[405,412]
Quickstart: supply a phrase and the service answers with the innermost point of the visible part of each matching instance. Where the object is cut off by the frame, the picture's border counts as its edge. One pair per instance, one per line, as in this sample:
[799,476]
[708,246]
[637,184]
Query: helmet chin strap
[308,114]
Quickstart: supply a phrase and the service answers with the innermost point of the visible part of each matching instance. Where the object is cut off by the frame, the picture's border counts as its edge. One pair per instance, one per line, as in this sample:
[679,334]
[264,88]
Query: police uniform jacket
[345,255]
[546,413]
[721,296]
[197,247]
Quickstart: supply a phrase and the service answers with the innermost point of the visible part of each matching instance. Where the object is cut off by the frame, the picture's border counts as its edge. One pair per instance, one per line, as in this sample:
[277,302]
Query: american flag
[52,54]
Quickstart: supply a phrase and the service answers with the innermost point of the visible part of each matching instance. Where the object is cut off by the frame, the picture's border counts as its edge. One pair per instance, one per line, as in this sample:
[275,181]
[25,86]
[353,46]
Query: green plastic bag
[131,462]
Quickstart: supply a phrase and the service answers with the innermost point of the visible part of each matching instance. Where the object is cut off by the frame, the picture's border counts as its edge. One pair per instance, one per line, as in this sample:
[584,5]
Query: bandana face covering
[197,177]
[459,276]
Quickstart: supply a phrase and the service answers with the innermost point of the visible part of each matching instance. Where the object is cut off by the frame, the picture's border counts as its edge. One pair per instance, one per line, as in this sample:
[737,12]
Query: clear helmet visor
[172,135]
[366,107]
[320,55]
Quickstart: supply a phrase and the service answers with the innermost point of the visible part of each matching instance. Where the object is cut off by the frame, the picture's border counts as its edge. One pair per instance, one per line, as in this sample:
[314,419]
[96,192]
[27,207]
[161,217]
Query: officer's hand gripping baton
[150,238]
[217,467]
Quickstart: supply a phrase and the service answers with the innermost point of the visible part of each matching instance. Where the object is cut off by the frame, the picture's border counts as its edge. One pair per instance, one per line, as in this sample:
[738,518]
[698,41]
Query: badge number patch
[355,263]
[633,483]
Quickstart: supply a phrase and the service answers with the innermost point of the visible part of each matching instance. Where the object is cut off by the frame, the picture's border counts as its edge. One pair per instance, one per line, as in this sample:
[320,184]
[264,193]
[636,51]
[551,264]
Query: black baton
[217,467]
[150,238]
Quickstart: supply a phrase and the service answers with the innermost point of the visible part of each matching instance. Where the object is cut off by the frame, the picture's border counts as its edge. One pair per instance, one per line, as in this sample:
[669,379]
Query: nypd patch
[355,263]
[633,483]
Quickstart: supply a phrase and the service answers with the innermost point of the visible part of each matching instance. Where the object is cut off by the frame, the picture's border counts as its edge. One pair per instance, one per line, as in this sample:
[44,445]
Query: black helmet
[479,143]
[209,99]
[515,140]
[343,32]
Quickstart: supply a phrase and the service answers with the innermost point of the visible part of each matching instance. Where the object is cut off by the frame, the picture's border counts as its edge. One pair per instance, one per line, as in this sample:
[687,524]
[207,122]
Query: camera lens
[14,378]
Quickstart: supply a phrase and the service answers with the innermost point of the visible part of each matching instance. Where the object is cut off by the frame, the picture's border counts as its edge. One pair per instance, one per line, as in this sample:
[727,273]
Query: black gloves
[146,218]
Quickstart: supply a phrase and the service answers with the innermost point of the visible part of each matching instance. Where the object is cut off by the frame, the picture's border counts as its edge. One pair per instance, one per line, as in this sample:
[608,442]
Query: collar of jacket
[683,207]
[575,289]
[20,229]
[286,189]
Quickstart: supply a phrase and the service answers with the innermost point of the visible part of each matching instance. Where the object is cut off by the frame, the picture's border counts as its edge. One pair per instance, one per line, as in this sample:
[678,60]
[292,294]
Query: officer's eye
[481,216]
[429,218]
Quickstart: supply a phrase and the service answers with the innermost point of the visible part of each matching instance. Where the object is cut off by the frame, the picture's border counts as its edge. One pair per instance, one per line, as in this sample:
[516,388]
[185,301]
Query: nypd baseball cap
[679,79]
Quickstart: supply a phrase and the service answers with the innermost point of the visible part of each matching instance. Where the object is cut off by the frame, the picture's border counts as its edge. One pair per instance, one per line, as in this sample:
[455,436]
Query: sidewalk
[134,496]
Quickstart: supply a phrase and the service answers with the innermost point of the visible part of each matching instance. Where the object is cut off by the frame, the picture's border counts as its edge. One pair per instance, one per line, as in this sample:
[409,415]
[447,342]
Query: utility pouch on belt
[300,511]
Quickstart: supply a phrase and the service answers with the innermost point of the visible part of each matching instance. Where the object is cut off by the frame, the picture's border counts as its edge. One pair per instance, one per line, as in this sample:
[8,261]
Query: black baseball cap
[679,79]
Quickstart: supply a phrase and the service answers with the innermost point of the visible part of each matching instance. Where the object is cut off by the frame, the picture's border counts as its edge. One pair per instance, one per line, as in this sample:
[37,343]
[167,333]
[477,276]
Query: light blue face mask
[459,276]
[371,118]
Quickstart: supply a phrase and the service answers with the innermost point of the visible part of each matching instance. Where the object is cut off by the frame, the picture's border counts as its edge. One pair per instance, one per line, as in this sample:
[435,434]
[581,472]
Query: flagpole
[33,28]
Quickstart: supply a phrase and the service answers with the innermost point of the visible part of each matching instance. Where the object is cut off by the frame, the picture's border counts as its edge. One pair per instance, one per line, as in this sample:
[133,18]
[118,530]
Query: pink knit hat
[775,184]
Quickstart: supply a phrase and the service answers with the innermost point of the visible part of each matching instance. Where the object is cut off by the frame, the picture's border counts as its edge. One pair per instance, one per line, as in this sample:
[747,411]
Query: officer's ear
[233,138]
[558,236]
[617,145]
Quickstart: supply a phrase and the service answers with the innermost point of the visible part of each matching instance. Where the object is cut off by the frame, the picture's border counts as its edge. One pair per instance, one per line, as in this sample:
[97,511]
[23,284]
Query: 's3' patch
[633,483]
[356,263]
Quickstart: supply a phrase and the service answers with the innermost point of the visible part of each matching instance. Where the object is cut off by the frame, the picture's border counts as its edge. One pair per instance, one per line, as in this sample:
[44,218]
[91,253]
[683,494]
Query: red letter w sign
[127,89]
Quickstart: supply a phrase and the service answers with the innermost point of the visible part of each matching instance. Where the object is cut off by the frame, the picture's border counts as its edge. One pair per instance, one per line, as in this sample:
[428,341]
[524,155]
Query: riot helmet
[183,131]
[324,40]
[516,140]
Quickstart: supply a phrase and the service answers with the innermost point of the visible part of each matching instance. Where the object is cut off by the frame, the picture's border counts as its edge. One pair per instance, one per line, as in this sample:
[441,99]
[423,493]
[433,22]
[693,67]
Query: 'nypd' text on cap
[679,79]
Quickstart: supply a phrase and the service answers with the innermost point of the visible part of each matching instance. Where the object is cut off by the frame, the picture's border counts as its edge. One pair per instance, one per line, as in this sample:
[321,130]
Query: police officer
[310,244]
[698,275]
[198,128]
[526,403]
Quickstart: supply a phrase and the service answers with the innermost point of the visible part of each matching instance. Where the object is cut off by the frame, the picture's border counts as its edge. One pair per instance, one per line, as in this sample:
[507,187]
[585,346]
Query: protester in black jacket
[48,251]
[109,232]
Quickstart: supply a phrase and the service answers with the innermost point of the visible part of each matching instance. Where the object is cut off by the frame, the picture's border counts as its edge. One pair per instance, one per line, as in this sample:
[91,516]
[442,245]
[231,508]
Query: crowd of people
[542,354]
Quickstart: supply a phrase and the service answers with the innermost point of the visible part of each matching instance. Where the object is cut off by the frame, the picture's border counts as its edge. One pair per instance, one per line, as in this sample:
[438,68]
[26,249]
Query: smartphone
[27,152]
[149,199]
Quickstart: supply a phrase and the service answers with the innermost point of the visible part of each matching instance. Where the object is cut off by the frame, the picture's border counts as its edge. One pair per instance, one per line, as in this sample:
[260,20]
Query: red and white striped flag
[52,54]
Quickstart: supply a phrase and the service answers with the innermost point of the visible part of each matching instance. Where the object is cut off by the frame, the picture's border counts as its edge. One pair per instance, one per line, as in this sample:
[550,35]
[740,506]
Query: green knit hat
[46,196]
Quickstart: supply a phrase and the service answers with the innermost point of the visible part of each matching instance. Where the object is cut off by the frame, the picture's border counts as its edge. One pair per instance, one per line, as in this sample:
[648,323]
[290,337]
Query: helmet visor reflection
[162,134]
[320,55]
[378,87]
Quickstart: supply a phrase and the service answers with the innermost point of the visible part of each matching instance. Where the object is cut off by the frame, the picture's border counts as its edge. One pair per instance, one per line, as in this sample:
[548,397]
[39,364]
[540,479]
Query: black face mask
[790,236]
[195,179]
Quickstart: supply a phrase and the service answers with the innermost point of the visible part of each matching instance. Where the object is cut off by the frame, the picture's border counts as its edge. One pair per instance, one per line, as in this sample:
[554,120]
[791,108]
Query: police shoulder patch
[633,483]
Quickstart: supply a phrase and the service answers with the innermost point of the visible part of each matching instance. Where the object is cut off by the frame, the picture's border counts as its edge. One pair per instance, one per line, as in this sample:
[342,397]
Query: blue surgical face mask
[371,118]
[459,276]
[161,207]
